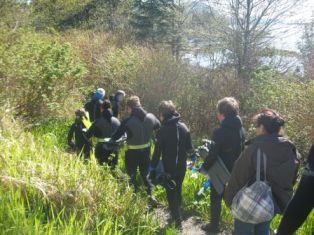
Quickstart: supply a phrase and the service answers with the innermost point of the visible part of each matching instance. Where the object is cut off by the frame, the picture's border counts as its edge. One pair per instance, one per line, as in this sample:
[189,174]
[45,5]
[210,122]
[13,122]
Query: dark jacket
[76,131]
[138,127]
[229,140]
[104,126]
[281,168]
[93,108]
[115,105]
[310,158]
[173,143]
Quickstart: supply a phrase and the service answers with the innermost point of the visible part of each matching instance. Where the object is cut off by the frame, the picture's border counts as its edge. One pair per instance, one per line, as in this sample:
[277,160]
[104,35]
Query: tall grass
[44,190]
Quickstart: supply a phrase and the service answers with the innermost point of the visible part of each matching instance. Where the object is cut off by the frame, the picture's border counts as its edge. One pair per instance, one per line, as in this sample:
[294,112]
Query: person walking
[93,106]
[228,142]
[76,138]
[139,127]
[102,128]
[279,172]
[172,145]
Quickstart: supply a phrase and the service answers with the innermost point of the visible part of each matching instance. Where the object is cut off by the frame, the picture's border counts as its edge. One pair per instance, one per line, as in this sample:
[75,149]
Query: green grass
[44,190]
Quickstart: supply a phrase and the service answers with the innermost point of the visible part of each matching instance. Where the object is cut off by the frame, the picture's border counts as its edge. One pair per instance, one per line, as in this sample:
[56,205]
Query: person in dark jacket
[76,139]
[139,127]
[281,168]
[302,202]
[115,100]
[229,139]
[93,106]
[102,128]
[173,143]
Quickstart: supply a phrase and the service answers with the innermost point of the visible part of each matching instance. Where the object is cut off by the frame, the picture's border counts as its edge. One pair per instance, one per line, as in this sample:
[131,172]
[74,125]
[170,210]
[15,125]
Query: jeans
[241,228]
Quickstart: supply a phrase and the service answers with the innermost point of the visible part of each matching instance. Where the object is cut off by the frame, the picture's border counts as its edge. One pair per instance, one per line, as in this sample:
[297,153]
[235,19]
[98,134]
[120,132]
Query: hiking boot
[210,229]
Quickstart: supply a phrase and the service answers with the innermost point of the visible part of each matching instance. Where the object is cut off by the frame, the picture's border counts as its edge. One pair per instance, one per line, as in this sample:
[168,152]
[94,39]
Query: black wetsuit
[229,141]
[173,143]
[302,202]
[102,128]
[139,128]
[93,108]
[80,144]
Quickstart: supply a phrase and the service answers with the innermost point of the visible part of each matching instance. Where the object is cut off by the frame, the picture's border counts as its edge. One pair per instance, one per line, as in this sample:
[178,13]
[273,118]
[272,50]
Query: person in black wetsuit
[116,100]
[302,202]
[139,127]
[102,128]
[76,139]
[229,141]
[93,106]
[172,145]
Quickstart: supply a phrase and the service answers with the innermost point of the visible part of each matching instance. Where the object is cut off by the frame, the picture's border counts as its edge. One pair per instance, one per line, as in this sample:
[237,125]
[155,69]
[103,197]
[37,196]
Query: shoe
[209,228]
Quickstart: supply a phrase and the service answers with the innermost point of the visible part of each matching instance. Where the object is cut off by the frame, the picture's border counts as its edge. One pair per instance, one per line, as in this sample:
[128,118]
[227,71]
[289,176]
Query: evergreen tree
[152,20]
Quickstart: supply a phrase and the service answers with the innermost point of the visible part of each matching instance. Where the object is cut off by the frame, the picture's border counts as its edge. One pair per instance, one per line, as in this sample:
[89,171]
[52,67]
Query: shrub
[38,75]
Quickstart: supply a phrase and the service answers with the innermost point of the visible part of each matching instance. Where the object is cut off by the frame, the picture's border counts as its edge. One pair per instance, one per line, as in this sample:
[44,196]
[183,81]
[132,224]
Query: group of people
[173,145]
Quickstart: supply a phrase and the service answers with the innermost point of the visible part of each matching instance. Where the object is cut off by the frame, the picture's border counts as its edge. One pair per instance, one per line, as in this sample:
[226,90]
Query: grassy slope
[44,190]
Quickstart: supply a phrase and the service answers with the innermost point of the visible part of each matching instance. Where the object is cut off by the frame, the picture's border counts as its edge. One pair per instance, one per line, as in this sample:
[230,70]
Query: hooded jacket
[281,169]
[173,143]
[138,127]
[104,126]
[229,141]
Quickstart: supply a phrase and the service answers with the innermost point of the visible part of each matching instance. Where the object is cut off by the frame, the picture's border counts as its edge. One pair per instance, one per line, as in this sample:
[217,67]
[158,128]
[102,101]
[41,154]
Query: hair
[106,104]
[167,108]
[81,113]
[270,119]
[228,106]
[133,102]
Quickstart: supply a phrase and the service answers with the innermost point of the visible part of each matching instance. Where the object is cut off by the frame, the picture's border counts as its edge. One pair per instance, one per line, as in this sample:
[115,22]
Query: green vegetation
[54,53]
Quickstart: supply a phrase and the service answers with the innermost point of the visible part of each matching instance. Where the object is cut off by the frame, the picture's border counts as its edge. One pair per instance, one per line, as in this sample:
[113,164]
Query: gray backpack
[254,204]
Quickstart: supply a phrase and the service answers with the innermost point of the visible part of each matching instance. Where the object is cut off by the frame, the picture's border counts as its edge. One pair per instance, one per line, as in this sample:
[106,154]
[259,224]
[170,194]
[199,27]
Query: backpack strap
[258,164]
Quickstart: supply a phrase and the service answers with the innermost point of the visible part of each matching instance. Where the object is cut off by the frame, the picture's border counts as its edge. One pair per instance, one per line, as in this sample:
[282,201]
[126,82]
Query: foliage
[39,74]
[290,97]
[45,190]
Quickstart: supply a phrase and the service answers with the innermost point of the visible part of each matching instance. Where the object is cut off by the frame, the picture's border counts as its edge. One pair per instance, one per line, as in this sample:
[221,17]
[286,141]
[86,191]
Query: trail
[191,224]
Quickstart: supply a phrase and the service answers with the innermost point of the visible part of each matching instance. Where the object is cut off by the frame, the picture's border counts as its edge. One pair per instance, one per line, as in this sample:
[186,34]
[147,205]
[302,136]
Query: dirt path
[191,225]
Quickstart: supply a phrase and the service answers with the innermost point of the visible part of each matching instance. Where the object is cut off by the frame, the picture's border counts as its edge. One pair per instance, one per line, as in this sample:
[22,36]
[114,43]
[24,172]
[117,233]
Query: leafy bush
[38,75]
[290,97]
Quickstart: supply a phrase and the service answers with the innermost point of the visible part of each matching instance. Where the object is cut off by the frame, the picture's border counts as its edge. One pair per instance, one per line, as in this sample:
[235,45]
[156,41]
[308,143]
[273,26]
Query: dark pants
[215,208]
[174,196]
[299,207]
[138,158]
[241,228]
[104,156]
[83,150]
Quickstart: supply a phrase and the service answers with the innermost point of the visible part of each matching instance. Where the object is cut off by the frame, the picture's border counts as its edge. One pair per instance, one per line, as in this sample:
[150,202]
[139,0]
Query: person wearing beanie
[302,202]
[229,139]
[102,128]
[281,169]
[116,100]
[172,145]
[93,106]
[139,127]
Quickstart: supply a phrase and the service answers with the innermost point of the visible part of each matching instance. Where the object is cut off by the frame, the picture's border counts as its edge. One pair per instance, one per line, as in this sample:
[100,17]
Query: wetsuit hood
[233,122]
[139,112]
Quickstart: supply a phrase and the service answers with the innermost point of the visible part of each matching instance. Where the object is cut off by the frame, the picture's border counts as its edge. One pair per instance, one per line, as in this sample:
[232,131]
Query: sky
[293,31]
